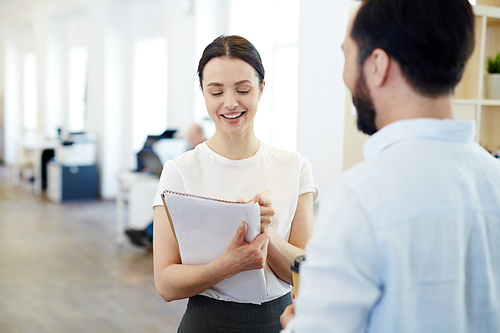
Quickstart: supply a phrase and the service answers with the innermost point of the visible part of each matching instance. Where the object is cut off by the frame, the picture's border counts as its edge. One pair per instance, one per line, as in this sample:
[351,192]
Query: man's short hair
[431,40]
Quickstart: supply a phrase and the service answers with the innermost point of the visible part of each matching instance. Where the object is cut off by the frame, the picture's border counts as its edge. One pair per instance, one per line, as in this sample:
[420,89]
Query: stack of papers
[204,227]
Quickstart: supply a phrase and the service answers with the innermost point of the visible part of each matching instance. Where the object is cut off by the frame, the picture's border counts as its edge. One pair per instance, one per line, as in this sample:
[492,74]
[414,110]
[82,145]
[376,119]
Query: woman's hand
[241,256]
[287,315]
[266,211]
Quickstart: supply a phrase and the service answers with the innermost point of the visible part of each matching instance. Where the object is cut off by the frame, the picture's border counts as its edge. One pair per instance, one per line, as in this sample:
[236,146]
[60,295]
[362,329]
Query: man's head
[429,40]
[195,136]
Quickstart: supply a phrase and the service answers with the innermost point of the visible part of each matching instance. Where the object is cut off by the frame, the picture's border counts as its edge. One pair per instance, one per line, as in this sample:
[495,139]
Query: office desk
[75,182]
[81,151]
[30,153]
[138,190]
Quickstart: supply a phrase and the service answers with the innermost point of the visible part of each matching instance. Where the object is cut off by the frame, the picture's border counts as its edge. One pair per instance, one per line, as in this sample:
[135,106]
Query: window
[77,88]
[149,89]
[29,94]
[66,74]
[277,43]
[284,111]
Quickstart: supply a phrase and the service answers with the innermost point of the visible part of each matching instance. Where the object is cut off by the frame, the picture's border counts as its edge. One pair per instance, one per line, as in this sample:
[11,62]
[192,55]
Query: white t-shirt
[286,175]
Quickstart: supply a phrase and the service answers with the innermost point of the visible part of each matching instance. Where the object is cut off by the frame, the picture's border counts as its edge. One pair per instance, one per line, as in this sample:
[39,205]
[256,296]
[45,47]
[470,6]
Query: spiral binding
[201,197]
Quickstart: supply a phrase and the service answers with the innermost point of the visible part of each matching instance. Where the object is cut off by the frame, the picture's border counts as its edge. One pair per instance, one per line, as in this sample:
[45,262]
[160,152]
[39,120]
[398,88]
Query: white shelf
[485,102]
[461,101]
[490,102]
[489,11]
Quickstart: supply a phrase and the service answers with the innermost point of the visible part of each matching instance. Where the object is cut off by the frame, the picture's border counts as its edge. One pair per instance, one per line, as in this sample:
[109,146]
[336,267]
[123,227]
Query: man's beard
[364,105]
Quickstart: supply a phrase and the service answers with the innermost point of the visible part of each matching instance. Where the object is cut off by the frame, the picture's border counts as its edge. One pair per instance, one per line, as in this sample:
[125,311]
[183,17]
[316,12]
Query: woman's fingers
[261,243]
[266,211]
[239,237]
[246,256]
[287,315]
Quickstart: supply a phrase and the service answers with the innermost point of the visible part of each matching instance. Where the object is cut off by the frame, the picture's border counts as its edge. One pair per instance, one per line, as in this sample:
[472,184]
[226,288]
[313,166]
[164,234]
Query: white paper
[204,228]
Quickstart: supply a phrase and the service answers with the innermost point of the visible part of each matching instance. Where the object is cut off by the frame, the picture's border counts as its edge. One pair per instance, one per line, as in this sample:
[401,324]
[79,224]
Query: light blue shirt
[409,239]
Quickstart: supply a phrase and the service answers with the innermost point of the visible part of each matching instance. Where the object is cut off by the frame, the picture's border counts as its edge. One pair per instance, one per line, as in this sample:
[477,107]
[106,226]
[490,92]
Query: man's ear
[378,69]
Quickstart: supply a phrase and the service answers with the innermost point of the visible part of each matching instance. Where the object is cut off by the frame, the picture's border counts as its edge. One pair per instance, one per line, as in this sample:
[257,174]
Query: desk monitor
[167,149]
[150,161]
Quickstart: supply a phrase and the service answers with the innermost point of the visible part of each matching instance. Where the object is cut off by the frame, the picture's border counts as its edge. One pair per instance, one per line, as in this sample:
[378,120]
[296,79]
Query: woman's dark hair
[431,40]
[232,47]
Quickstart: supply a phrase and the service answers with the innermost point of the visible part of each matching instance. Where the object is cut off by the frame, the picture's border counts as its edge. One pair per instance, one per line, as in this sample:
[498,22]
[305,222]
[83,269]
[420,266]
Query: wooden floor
[60,270]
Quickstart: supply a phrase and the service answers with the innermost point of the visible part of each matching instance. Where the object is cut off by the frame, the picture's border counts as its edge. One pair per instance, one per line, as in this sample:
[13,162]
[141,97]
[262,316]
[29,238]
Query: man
[195,136]
[407,241]
[144,237]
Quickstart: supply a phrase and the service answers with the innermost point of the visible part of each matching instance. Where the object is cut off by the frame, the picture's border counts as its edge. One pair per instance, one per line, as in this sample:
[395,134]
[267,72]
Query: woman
[234,164]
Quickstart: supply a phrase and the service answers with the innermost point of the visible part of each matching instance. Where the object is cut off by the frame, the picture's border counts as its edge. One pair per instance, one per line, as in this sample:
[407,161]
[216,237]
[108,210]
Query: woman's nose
[230,101]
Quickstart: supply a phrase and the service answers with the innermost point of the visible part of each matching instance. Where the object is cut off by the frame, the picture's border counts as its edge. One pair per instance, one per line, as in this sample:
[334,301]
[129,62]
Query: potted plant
[493,77]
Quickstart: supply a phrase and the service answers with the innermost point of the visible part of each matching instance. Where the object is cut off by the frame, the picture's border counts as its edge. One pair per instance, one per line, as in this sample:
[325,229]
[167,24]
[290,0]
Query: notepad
[203,228]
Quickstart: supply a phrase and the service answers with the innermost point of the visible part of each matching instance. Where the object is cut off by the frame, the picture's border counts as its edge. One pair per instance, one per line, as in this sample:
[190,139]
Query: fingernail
[241,225]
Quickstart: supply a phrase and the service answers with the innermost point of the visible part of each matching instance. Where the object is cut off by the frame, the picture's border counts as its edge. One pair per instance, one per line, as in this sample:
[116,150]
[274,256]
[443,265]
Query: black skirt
[208,315]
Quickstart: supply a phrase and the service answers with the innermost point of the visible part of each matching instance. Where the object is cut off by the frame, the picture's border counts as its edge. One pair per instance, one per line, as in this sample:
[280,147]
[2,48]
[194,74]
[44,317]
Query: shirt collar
[420,128]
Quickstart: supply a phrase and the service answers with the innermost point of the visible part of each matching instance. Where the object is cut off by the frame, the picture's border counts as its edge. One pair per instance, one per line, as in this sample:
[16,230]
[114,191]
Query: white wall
[322,92]
[111,27]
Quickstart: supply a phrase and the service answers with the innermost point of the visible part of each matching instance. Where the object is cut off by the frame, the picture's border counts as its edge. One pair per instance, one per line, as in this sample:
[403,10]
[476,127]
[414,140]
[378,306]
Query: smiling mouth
[233,116]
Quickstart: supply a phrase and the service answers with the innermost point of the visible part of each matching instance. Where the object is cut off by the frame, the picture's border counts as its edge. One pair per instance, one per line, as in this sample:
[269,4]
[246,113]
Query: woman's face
[232,92]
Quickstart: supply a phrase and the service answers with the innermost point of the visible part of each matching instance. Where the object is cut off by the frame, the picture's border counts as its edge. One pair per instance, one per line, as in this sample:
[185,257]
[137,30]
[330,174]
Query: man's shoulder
[360,172]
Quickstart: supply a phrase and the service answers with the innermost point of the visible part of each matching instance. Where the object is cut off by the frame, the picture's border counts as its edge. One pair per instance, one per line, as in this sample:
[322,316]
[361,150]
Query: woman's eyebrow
[217,84]
[242,81]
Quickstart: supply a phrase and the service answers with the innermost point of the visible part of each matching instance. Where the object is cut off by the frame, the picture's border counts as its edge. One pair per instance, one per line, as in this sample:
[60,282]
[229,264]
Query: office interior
[85,82]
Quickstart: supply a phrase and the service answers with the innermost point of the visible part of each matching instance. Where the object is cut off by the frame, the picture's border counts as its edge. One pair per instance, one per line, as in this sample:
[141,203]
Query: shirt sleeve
[340,280]
[170,179]
[306,184]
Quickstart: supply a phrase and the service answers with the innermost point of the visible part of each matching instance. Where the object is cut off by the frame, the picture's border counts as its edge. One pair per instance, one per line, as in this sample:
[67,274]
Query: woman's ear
[262,88]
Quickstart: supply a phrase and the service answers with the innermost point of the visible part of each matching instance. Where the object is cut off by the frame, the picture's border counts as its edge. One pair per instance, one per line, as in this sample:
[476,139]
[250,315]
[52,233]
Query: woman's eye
[217,93]
[243,91]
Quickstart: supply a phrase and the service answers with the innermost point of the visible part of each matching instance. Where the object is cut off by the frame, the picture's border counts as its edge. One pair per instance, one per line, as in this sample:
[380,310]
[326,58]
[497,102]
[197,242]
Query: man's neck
[407,104]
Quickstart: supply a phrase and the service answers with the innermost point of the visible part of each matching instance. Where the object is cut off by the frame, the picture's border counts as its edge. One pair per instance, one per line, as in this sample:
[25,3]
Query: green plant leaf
[493,64]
